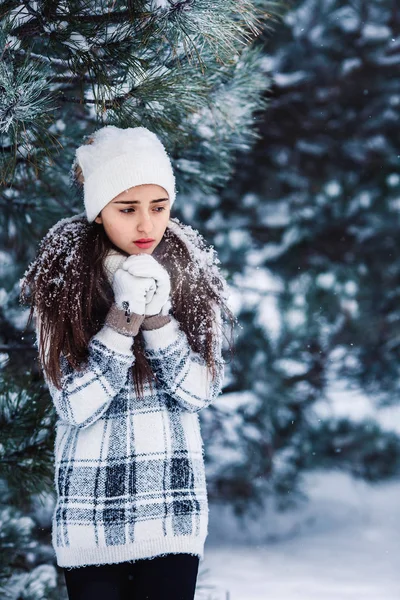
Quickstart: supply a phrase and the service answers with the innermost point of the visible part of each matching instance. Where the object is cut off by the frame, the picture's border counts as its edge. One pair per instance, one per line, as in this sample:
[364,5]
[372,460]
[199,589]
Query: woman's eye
[157,209]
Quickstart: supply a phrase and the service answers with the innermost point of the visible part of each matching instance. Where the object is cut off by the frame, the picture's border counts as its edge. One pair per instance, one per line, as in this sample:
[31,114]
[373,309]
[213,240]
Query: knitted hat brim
[122,173]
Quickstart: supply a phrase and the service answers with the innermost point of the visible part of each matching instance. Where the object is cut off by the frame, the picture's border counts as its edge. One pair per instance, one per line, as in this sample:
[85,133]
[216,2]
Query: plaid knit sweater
[129,473]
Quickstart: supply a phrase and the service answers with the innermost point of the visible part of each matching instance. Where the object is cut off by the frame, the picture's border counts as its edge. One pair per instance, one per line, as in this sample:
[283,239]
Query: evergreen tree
[310,232]
[189,71]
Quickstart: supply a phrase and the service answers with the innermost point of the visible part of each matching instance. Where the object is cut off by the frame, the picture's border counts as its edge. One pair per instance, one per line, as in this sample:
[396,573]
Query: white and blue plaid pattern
[129,473]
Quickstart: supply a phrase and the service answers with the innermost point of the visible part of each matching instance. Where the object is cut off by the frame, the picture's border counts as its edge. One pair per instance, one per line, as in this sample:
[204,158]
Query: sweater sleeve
[183,373]
[85,395]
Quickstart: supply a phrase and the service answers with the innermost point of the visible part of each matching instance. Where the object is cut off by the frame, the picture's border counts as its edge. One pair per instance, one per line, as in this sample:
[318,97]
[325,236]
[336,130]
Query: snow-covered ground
[344,543]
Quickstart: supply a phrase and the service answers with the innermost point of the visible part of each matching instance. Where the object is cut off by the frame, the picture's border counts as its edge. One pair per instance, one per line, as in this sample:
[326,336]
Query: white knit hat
[119,159]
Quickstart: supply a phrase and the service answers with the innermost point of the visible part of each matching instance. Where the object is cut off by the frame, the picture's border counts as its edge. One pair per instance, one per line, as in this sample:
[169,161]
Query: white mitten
[145,265]
[135,291]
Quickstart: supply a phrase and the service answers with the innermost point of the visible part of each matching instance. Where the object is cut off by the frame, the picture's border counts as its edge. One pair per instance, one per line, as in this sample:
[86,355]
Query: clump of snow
[284,80]
[325,280]
[350,64]
[333,189]
[347,19]
[375,33]
[393,179]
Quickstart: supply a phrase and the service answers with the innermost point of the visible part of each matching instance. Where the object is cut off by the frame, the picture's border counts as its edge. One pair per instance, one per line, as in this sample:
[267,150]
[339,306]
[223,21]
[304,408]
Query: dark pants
[169,577]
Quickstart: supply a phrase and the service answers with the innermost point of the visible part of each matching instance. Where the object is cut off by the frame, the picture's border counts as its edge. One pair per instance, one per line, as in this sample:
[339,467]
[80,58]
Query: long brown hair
[71,294]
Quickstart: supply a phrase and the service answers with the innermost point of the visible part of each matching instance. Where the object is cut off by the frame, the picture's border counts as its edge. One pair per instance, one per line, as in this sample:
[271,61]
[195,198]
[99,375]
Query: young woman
[128,304]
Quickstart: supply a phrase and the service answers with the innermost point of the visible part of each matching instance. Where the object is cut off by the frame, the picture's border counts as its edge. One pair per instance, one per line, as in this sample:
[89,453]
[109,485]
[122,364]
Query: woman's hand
[145,265]
[136,291]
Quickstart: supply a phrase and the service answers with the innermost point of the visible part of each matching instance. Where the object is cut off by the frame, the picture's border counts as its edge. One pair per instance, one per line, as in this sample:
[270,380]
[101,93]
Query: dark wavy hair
[70,291]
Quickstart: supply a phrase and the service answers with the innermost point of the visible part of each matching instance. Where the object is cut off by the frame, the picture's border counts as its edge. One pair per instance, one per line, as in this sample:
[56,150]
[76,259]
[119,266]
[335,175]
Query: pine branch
[8,6]
[58,62]
[35,26]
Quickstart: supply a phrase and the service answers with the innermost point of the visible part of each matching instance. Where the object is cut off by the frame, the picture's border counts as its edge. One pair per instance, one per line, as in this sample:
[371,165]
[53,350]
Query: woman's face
[141,212]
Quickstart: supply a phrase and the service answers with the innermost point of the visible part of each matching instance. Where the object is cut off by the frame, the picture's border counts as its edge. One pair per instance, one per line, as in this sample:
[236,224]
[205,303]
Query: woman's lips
[144,244]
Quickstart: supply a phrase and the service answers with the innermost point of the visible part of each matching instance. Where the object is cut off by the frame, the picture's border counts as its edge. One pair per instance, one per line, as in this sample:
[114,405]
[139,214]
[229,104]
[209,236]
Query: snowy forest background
[282,122]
